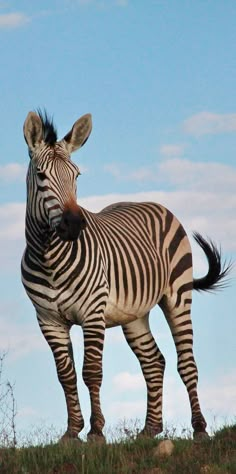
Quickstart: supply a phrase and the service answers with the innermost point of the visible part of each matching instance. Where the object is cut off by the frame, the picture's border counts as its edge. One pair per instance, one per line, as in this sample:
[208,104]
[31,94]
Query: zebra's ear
[33,130]
[79,133]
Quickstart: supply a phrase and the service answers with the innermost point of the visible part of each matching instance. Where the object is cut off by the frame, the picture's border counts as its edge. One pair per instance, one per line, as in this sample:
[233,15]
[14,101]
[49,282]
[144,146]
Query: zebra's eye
[41,175]
[76,170]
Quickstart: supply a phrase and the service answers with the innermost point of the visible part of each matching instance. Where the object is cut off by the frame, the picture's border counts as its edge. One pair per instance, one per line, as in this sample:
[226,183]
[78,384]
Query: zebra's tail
[216,277]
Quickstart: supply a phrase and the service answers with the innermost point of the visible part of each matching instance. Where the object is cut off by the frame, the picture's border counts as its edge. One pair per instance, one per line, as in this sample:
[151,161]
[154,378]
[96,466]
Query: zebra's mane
[49,130]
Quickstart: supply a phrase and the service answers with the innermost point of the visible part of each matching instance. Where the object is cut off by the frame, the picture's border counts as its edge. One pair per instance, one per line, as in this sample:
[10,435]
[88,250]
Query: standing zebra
[106,269]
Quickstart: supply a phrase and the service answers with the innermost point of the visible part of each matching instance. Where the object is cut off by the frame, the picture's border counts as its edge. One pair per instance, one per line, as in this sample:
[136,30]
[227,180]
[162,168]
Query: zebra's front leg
[58,338]
[94,332]
[141,341]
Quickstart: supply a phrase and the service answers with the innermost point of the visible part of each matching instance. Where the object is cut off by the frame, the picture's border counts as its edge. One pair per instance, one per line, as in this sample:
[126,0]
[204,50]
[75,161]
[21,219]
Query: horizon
[159,81]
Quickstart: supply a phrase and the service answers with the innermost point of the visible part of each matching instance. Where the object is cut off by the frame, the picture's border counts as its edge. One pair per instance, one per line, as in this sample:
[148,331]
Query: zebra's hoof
[199,436]
[150,432]
[96,438]
[70,438]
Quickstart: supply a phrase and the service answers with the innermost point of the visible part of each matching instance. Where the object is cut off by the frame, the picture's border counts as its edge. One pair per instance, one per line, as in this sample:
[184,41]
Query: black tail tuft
[218,270]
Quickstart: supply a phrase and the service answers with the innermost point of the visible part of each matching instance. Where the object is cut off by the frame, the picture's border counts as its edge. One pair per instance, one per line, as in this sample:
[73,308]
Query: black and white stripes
[106,269]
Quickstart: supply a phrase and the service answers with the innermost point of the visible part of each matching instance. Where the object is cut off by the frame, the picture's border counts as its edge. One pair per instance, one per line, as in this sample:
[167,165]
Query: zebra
[100,270]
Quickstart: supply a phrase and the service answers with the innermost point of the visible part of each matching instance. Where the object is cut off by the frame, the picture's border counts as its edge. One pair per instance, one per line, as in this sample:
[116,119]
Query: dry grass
[217,455]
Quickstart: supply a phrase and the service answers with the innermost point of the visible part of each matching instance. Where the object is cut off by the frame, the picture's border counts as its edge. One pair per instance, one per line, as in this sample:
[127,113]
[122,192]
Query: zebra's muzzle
[71,225]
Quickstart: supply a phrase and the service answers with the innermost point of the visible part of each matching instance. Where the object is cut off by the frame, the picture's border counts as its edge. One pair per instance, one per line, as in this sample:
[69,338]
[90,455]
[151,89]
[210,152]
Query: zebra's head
[51,178]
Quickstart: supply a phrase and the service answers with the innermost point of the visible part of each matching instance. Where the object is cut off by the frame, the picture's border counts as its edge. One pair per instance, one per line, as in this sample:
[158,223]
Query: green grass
[217,455]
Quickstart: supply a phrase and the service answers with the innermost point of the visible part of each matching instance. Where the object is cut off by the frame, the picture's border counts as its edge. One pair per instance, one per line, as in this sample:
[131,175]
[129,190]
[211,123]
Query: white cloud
[181,173]
[103,3]
[12,216]
[125,381]
[142,174]
[121,3]
[114,336]
[13,20]
[205,123]
[197,175]
[27,411]
[12,237]
[12,172]
[85,2]
[172,150]
[220,396]
[19,339]
[133,409]
[113,169]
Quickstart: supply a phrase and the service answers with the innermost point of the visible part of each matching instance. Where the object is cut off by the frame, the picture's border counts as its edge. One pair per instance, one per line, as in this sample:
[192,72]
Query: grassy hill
[217,455]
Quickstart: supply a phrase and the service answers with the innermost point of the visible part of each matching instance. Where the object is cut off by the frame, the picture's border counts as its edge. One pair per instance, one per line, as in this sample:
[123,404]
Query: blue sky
[159,79]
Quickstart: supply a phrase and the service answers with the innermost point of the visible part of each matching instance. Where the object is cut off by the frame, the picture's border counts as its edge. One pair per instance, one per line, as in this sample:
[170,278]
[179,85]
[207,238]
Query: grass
[217,455]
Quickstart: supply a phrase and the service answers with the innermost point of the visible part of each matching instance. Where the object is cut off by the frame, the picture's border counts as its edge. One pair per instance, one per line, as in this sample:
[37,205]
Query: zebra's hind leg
[94,331]
[152,362]
[58,338]
[177,310]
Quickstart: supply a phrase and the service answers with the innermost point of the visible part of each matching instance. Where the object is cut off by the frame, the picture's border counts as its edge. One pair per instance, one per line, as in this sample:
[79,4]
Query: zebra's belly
[118,316]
